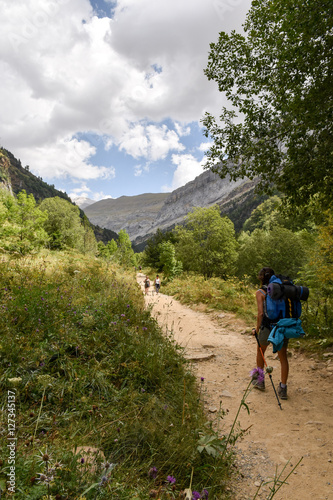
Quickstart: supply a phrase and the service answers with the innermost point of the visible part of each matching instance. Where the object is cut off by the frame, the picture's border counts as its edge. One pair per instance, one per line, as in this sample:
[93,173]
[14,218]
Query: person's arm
[260,296]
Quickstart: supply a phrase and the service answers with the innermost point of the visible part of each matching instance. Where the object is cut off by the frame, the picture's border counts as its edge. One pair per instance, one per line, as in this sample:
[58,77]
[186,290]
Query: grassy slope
[88,366]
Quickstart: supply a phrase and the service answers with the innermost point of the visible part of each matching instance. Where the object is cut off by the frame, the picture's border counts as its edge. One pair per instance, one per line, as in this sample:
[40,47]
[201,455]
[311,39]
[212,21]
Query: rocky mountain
[135,214]
[142,215]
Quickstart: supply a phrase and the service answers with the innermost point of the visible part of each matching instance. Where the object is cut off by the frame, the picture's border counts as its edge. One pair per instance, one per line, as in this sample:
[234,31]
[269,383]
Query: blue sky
[104,98]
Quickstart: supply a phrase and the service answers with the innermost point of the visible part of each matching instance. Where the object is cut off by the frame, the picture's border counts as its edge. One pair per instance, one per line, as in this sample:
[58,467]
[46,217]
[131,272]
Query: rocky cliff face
[142,215]
[205,190]
[5,182]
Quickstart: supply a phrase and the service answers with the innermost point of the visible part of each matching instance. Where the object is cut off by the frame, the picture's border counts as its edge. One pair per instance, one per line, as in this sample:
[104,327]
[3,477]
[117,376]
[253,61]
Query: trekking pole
[269,374]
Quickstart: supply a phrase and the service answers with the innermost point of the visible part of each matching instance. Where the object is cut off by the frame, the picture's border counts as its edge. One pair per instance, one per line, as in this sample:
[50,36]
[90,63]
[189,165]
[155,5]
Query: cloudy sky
[104,98]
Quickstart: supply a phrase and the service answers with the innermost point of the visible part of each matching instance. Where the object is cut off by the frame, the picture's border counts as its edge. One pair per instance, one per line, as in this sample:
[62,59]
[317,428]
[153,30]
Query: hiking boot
[282,392]
[258,385]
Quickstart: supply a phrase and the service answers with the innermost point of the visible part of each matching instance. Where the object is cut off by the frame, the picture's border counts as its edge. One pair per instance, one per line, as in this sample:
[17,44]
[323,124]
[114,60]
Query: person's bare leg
[284,364]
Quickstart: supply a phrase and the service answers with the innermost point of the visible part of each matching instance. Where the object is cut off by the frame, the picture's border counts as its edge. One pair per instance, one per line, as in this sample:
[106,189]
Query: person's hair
[265,274]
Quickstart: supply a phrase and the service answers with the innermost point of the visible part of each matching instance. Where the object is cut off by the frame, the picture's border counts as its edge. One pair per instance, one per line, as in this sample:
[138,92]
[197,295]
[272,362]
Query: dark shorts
[264,334]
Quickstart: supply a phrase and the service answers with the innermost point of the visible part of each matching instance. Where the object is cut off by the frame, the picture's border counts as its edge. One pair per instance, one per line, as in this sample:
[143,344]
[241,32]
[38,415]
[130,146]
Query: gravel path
[223,353]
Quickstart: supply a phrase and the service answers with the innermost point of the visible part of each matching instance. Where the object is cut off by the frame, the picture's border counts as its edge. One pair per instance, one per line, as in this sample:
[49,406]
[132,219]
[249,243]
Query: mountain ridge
[141,215]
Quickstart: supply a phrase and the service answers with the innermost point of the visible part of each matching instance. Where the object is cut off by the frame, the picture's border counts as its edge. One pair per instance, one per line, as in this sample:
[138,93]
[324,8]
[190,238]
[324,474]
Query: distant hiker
[147,285]
[140,268]
[157,283]
[263,329]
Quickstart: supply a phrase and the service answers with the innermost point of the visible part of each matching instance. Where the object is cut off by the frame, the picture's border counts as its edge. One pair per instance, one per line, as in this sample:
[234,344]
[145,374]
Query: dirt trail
[223,353]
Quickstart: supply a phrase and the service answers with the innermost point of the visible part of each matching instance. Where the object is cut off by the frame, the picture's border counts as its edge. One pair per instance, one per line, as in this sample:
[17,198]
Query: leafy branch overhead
[278,80]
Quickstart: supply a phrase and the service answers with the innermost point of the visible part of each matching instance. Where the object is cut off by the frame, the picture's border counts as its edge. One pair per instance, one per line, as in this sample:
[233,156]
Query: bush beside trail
[90,369]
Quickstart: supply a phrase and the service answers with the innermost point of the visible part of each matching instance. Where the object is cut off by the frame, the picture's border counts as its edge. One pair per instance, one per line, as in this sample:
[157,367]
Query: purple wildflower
[152,472]
[104,480]
[82,460]
[204,494]
[202,379]
[258,374]
[171,479]
[122,315]
[196,495]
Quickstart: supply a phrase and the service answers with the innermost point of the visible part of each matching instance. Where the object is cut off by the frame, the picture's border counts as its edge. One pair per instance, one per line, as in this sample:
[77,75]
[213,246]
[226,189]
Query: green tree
[107,250]
[64,225]
[286,252]
[318,274]
[278,78]
[321,261]
[125,253]
[89,238]
[274,212]
[151,254]
[168,263]
[21,223]
[207,243]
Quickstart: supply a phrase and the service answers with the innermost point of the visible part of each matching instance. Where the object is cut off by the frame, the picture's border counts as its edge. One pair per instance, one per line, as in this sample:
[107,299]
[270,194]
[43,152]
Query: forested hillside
[16,178]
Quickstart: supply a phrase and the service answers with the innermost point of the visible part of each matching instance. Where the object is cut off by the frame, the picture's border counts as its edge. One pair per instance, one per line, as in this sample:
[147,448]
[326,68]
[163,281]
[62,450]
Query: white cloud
[138,170]
[83,191]
[182,130]
[150,142]
[66,158]
[79,195]
[188,168]
[100,196]
[204,146]
[66,71]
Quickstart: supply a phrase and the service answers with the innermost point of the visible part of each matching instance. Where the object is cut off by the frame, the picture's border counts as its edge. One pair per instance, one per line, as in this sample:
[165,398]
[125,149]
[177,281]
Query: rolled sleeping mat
[277,291]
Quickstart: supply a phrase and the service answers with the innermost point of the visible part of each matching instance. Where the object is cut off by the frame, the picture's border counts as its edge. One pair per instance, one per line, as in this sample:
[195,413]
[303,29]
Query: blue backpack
[283,299]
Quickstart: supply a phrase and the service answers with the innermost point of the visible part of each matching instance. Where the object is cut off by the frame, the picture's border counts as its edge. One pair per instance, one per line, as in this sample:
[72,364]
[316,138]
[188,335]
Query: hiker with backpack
[157,283]
[263,330]
[147,285]
[278,320]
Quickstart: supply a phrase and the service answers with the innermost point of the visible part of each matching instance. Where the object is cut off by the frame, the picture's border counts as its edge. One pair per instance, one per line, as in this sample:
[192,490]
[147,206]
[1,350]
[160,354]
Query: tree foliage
[124,253]
[168,263]
[64,225]
[321,261]
[207,243]
[278,78]
[283,250]
[21,223]
[274,212]
[152,251]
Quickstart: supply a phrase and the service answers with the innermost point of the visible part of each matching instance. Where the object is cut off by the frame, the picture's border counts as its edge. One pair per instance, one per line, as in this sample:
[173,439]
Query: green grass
[88,366]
